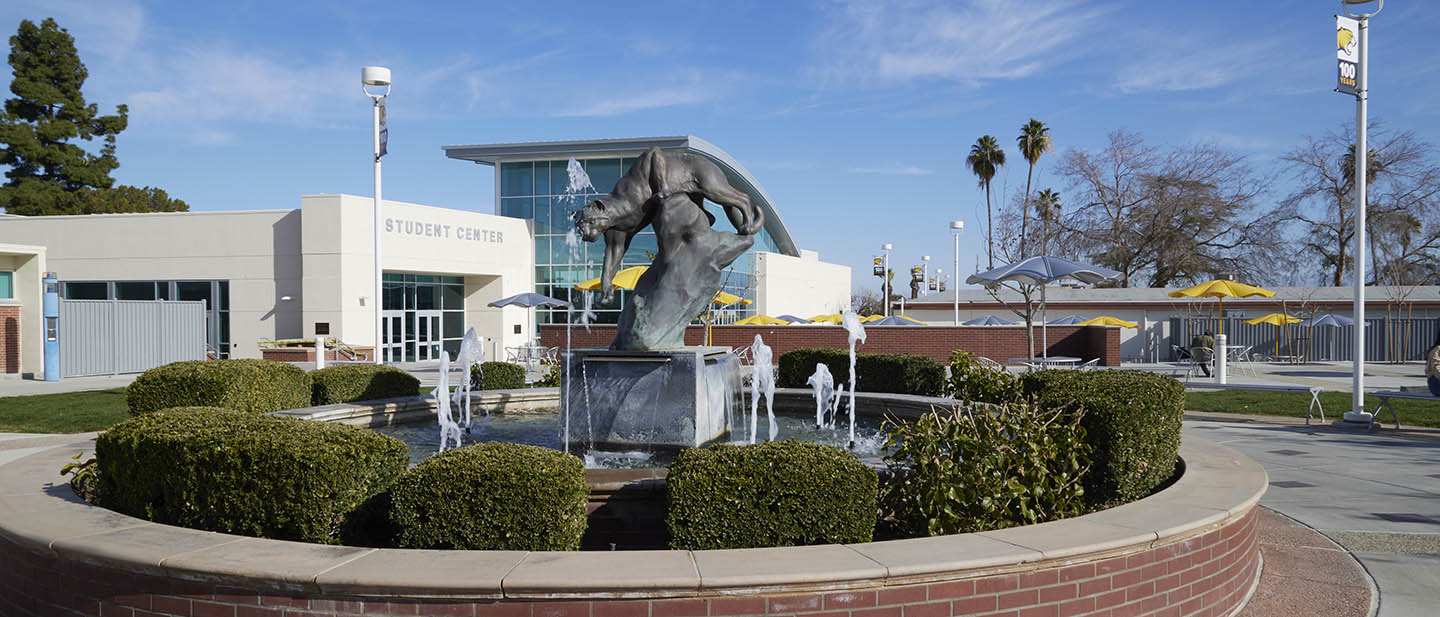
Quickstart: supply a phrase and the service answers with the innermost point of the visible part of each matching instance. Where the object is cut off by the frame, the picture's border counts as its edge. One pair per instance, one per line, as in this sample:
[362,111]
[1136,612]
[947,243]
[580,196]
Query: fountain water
[448,426]
[472,354]
[578,183]
[824,386]
[854,331]
[762,380]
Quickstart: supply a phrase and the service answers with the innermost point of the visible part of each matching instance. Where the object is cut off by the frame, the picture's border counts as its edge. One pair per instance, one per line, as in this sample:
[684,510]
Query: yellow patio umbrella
[1275,319]
[830,318]
[1220,288]
[870,318]
[912,319]
[624,279]
[1106,320]
[761,320]
[725,298]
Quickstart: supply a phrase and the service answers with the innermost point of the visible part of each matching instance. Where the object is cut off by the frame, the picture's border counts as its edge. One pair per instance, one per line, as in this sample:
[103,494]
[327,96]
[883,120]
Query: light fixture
[286,298]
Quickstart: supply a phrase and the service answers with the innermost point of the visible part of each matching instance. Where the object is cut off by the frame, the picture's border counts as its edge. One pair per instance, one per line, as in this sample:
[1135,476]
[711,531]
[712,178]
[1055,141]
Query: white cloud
[967,43]
[895,169]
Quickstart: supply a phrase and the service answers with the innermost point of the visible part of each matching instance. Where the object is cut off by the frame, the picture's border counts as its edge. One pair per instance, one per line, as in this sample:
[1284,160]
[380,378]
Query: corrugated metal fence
[1385,339]
[104,337]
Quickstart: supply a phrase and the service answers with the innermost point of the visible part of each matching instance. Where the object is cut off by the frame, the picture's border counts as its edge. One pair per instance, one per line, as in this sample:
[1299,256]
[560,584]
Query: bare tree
[1403,213]
[1161,217]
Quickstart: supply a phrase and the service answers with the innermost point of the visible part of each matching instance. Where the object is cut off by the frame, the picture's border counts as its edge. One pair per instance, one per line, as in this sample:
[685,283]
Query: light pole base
[1363,417]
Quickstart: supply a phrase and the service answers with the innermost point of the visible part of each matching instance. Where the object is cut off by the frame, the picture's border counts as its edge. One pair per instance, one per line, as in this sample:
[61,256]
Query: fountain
[762,381]
[825,400]
[472,354]
[648,388]
[854,331]
[448,426]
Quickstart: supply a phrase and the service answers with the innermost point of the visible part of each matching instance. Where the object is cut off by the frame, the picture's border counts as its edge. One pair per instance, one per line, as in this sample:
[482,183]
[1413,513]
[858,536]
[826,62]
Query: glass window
[224,295]
[542,248]
[604,173]
[7,285]
[516,178]
[542,178]
[542,275]
[626,163]
[162,290]
[515,207]
[542,215]
[559,251]
[88,290]
[188,291]
[452,347]
[394,295]
[427,297]
[559,177]
[135,290]
[452,324]
[452,297]
[452,280]
[636,255]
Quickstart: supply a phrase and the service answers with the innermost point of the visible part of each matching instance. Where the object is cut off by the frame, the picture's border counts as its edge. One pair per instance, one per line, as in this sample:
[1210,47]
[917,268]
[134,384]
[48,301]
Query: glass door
[427,335]
[393,336]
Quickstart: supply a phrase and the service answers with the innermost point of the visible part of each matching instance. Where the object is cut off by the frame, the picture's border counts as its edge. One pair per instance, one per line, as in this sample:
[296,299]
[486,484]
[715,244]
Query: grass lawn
[1293,404]
[66,412]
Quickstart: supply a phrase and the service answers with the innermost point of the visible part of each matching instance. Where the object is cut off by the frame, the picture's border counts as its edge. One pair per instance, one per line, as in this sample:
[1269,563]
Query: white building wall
[801,286]
[28,264]
[257,251]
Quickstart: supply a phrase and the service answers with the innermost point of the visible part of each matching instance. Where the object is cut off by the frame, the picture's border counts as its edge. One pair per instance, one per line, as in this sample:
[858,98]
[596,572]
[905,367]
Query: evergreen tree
[50,173]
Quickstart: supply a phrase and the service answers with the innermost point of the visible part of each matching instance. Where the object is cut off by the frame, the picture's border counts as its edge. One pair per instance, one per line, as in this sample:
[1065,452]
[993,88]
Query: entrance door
[393,336]
[427,335]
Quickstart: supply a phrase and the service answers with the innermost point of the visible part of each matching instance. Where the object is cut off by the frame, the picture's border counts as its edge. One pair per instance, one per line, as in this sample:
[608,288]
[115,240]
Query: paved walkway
[1373,492]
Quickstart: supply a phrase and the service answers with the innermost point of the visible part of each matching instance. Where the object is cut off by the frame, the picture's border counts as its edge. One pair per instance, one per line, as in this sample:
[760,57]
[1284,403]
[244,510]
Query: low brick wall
[1210,574]
[10,339]
[998,343]
[307,354]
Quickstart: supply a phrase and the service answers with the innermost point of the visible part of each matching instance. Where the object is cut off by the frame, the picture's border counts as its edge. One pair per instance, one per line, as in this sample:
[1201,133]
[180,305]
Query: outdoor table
[1056,361]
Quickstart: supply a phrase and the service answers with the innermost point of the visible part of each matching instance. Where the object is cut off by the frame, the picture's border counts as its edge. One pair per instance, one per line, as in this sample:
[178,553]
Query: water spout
[854,331]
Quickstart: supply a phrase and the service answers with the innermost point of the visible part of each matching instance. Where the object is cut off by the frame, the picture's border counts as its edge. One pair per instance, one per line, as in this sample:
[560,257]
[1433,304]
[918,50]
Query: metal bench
[1386,395]
[1313,390]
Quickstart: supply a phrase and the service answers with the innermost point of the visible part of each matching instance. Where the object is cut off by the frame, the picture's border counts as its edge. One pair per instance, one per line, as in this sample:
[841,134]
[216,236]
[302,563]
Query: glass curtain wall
[424,313]
[536,190]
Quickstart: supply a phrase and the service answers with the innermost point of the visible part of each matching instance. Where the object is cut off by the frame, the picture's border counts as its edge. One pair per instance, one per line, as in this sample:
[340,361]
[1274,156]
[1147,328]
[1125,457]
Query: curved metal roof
[491,154]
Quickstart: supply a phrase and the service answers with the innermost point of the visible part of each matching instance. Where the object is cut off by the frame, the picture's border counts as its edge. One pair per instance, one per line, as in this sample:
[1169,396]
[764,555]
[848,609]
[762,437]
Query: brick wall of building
[998,343]
[1203,575]
[9,339]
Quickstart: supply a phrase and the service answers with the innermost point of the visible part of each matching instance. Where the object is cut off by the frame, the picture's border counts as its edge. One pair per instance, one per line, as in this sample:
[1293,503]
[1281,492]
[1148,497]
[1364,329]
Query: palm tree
[1047,207]
[1034,140]
[985,157]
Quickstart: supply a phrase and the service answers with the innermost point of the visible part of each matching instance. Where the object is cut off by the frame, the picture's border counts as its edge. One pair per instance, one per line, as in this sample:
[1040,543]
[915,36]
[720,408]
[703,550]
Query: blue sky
[855,116]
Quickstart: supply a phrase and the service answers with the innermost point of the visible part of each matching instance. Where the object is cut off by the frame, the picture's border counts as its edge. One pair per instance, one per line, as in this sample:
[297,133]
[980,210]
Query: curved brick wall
[1189,550]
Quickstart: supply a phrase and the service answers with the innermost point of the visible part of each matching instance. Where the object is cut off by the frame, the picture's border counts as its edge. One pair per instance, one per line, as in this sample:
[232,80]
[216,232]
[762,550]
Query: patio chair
[1089,365]
[1200,357]
[990,364]
[1181,353]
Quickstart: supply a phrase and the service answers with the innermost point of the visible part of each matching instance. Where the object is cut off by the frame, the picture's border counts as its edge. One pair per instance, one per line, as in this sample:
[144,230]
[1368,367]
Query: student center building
[248,277]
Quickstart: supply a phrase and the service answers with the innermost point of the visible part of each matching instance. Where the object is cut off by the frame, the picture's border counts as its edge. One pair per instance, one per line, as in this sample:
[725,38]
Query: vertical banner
[384,130]
[879,266]
[1347,53]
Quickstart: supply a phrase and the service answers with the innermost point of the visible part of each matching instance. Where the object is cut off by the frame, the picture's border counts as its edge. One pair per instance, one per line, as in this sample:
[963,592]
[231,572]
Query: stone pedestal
[679,398]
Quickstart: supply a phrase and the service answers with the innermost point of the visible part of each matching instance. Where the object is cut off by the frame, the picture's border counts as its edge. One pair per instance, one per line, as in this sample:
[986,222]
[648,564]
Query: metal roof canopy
[492,154]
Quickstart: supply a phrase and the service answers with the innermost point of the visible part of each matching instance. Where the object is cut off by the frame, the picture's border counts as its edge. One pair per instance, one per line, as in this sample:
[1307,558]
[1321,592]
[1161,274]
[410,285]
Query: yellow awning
[1106,320]
[624,279]
[725,298]
[831,318]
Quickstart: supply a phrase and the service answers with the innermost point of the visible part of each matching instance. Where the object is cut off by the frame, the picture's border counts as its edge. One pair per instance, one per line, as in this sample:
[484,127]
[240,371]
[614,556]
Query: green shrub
[492,496]
[980,467]
[971,381]
[344,383]
[896,373]
[256,386]
[242,473]
[1131,418]
[498,376]
[551,378]
[770,494]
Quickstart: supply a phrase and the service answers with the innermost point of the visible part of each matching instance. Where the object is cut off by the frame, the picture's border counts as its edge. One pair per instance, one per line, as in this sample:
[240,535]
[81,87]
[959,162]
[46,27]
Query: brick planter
[1188,550]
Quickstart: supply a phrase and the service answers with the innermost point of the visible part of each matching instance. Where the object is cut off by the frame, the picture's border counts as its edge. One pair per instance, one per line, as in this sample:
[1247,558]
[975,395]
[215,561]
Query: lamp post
[955,228]
[372,79]
[885,278]
[925,259]
[1362,154]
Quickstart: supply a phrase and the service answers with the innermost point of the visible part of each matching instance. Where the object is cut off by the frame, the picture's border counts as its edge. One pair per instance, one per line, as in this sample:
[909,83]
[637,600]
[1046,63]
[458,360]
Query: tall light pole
[925,265]
[1359,80]
[885,278]
[372,79]
[955,228]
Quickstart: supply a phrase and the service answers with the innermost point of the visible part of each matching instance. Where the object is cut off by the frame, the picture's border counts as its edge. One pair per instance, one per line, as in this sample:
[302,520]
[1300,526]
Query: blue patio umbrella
[892,321]
[1042,270]
[793,319]
[1334,321]
[1068,320]
[530,299]
[989,320]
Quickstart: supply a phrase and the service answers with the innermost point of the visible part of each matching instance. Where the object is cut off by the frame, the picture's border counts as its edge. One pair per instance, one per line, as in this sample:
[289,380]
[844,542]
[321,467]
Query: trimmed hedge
[255,386]
[1132,420]
[499,376]
[896,373]
[492,496]
[971,381]
[783,493]
[241,473]
[344,383]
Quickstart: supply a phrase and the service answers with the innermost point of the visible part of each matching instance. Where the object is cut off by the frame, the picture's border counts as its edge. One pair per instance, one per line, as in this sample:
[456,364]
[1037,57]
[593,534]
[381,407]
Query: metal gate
[104,337]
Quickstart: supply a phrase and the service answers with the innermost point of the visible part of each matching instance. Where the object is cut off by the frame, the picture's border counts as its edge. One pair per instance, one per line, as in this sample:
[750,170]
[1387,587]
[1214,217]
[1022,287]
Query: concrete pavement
[1374,493]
